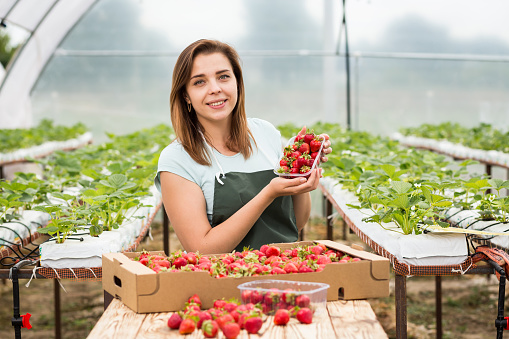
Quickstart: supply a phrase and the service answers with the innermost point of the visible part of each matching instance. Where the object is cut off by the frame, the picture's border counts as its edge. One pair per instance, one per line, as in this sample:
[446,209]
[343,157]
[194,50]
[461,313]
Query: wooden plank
[342,319]
[118,321]
[354,319]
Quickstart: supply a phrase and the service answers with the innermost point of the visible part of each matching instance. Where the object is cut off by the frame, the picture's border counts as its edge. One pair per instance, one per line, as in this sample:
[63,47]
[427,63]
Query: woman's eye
[224,76]
[198,82]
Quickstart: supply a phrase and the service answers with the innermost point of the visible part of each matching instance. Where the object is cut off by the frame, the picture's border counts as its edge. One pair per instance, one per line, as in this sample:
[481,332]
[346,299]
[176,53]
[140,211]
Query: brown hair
[186,125]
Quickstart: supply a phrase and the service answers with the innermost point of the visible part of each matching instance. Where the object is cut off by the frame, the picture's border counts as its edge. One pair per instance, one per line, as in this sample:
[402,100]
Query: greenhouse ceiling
[108,63]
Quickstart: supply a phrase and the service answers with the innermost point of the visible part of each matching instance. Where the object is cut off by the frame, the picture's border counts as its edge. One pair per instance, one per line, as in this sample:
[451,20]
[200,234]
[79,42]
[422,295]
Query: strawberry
[305,269]
[253,325]
[224,319]
[282,317]
[305,315]
[277,270]
[210,328]
[256,297]
[194,299]
[245,296]
[283,162]
[309,137]
[302,300]
[179,262]
[219,303]
[203,316]
[187,326]
[304,169]
[299,137]
[263,249]
[304,148]
[302,161]
[231,330]
[273,251]
[174,321]
[315,145]
[318,249]
[294,170]
[295,154]
[290,268]
[230,306]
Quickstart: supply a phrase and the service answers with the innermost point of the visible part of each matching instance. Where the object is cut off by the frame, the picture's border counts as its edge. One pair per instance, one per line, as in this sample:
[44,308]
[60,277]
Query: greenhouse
[273,169]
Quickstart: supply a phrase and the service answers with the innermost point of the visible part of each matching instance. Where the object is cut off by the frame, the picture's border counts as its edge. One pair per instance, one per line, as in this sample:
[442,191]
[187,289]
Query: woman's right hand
[283,186]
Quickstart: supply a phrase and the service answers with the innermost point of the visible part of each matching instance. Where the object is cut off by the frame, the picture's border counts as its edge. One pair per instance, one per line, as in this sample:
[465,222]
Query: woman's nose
[214,87]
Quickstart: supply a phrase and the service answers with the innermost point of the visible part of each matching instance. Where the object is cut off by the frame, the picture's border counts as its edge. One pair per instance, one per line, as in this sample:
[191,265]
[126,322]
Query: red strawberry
[302,300]
[277,270]
[224,319]
[231,330]
[273,251]
[323,259]
[174,321]
[283,162]
[230,306]
[210,328]
[295,154]
[317,249]
[245,296]
[194,299]
[187,326]
[299,137]
[294,170]
[282,317]
[203,316]
[253,325]
[290,268]
[305,315]
[219,303]
[302,161]
[304,148]
[179,262]
[314,145]
[263,249]
[256,297]
[309,137]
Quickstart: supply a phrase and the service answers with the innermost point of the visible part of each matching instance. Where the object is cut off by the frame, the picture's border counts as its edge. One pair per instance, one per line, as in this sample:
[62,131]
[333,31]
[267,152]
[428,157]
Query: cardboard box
[144,291]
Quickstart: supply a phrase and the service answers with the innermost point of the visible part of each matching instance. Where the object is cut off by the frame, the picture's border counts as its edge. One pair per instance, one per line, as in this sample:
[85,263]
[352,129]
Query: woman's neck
[218,134]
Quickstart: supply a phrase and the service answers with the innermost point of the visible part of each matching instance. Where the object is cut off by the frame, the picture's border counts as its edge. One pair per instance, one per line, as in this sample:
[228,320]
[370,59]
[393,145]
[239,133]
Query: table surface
[344,319]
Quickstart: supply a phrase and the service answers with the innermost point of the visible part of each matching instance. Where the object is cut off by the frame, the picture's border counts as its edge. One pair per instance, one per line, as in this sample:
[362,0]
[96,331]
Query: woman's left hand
[327,149]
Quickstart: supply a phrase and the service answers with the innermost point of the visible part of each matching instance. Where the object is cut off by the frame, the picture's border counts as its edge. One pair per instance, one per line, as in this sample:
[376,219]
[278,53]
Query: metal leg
[401,319]
[166,231]
[329,221]
[58,323]
[438,305]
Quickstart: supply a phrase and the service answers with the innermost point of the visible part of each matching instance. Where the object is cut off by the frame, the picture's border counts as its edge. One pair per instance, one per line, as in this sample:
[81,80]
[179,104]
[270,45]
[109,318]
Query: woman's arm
[186,208]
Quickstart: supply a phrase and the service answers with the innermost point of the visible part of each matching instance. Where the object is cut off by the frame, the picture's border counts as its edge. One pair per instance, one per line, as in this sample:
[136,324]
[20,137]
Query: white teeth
[217,103]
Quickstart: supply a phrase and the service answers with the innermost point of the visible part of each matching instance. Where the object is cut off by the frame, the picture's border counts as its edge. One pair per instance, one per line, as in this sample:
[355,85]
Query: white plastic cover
[48,21]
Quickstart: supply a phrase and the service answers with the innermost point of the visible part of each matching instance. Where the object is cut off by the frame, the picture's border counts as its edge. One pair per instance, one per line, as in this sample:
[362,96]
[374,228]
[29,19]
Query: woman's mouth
[217,104]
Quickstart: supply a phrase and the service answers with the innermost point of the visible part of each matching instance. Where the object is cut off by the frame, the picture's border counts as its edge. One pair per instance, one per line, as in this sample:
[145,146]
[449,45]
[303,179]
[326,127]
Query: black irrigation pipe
[452,215]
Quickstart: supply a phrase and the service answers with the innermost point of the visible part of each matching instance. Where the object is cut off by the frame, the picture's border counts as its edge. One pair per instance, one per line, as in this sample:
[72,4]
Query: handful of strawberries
[301,156]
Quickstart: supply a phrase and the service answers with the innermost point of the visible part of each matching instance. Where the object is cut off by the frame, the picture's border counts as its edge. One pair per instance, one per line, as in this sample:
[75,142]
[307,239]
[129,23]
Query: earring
[189,107]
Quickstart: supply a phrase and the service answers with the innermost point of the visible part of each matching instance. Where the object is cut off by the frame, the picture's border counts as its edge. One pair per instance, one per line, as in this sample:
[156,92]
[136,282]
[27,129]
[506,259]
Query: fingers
[302,131]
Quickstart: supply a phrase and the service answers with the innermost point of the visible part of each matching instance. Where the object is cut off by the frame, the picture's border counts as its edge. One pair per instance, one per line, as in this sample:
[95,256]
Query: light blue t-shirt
[175,159]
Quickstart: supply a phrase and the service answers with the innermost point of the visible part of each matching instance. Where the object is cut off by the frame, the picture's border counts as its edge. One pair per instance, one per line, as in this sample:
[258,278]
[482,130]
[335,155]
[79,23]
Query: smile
[217,103]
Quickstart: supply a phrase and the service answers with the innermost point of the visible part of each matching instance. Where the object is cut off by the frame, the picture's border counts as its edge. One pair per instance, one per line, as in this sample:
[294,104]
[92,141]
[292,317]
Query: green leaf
[400,202]
[117,180]
[401,187]
[388,169]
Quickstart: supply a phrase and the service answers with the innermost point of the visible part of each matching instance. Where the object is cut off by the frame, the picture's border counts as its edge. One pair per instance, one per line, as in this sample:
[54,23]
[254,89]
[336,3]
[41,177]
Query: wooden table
[344,319]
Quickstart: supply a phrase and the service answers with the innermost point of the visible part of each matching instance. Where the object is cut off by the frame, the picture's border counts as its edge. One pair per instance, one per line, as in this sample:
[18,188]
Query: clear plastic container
[275,294]
[316,163]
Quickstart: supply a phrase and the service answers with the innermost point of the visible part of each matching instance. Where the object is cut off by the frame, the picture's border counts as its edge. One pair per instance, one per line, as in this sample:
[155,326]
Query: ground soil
[469,303]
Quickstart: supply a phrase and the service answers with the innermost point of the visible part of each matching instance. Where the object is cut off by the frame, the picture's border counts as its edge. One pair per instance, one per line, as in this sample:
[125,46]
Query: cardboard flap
[380,267]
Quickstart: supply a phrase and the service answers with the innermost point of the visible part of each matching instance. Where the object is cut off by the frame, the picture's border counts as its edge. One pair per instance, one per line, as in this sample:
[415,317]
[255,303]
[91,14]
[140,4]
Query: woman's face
[212,88]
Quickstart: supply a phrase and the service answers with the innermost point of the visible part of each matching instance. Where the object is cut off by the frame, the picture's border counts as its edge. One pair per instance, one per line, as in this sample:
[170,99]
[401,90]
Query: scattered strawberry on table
[299,157]
[231,317]
[269,260]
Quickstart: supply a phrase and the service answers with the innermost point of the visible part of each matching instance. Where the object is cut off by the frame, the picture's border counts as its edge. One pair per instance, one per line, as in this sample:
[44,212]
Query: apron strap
[215,159]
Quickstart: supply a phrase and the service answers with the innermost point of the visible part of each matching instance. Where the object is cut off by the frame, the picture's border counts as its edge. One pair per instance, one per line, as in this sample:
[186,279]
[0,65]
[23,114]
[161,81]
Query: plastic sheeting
[48,22]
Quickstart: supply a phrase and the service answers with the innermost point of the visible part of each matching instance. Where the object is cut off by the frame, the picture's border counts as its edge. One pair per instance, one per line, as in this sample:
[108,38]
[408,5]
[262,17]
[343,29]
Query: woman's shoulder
[257,125]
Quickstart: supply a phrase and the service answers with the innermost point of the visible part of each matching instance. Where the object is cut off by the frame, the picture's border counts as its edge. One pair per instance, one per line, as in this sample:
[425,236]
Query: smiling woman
[216,178]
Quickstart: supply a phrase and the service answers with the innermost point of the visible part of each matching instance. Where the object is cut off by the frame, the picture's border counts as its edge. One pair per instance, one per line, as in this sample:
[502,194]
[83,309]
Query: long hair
[188,129]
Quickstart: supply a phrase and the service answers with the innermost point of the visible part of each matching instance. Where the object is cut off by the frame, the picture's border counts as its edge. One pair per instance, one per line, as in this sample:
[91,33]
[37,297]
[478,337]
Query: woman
[216,177]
